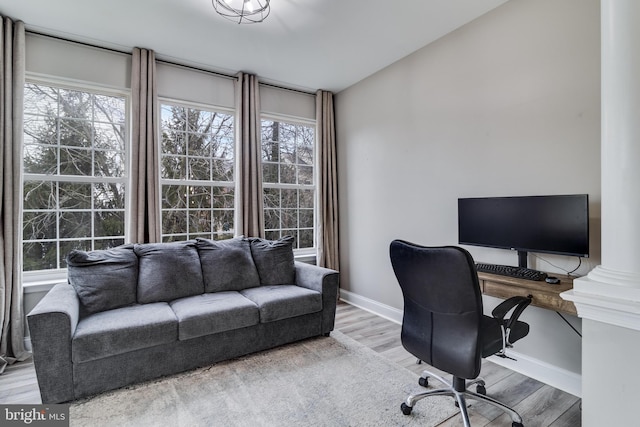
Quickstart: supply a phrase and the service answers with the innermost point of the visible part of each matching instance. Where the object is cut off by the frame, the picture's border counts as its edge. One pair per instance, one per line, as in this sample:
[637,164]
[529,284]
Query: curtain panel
[144,195]
[251,216]
[328,233]
[12,70]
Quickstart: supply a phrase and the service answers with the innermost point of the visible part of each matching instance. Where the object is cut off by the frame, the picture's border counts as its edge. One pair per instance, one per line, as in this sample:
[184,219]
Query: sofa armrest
[52,323]
[325,281]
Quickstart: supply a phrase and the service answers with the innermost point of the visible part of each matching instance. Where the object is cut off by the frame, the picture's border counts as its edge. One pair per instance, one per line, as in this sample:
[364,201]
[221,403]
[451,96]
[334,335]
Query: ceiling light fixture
[243,11]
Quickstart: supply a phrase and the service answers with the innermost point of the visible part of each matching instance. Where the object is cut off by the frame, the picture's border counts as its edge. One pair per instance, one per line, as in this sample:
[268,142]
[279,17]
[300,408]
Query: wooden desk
[544,294]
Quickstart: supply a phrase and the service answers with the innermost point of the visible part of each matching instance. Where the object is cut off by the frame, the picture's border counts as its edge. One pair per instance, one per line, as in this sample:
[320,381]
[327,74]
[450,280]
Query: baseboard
[382,310]
[555,376]
[547,373]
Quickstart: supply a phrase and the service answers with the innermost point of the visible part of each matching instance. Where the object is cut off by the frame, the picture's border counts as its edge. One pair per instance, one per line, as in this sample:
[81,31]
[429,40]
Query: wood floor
[539,405]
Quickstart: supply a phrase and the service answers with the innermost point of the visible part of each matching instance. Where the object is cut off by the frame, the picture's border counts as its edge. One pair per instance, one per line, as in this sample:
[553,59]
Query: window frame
[301,253]
[164,100]
[44,278]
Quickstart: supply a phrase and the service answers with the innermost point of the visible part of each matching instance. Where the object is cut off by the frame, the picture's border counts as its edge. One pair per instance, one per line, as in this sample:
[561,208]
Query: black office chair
[444,325]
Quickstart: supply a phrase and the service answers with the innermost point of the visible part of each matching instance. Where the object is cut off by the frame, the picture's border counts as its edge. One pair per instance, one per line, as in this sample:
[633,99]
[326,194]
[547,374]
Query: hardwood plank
[19,385]
[511,391]
[546,405]
[571,417]
[476,420]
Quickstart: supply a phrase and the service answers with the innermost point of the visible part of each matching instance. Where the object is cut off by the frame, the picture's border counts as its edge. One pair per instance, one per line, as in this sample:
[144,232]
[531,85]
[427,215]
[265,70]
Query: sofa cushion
[122,330]
[227,265]
[283,301]
[168,271]
[274,260]
[212,313]
[104,279]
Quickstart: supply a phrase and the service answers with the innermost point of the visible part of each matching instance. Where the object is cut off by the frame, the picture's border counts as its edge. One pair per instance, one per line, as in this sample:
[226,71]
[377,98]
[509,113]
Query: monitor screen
[549,224]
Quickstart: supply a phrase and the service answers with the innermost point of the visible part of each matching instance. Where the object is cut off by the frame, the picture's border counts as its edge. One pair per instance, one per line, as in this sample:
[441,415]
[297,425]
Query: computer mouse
[552,280]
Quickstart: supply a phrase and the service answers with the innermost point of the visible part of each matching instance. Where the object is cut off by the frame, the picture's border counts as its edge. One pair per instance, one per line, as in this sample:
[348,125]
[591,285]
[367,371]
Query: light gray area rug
[322,381]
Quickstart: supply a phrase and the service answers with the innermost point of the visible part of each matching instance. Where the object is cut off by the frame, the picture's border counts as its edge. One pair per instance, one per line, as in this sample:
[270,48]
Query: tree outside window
[197,173]
[288,180]
[74,170]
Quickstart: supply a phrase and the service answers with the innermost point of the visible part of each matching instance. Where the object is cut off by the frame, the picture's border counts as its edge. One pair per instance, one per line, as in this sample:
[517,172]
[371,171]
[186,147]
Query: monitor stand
[522,259]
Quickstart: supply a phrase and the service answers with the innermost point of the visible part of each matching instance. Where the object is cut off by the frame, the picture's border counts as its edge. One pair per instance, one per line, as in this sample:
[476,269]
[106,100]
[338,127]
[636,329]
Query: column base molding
[607,296]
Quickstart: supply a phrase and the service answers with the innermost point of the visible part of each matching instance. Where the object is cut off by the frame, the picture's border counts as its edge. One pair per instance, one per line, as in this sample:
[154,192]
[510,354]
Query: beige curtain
[328,254]
[250,166]
[11,104]
[145,194]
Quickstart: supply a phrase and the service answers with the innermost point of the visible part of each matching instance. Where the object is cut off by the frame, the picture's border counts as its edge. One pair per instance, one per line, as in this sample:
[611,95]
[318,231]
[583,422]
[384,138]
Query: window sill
[37,287]
[306,258]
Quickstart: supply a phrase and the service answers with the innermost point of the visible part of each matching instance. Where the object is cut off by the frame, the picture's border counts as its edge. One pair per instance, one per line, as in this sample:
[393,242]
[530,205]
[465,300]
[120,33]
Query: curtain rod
[305,92]
[110,49]
[194,68]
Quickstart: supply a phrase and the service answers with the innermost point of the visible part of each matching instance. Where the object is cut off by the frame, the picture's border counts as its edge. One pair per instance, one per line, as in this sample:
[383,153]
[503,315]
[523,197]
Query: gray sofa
[142,311]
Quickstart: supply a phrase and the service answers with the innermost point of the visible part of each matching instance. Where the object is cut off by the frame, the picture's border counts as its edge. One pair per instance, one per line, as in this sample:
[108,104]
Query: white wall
[507,105]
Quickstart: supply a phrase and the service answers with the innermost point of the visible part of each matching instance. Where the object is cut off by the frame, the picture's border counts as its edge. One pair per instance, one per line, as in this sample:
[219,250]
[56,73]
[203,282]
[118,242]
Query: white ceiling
[305,44]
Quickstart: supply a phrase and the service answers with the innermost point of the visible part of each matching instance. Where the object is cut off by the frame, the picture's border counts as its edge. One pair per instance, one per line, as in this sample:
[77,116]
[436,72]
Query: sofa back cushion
[168,271]
[274,260]
[227,265]
[104,279]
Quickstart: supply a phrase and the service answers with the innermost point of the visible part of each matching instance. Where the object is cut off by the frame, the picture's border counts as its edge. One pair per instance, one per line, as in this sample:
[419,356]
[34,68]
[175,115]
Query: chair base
[459,389]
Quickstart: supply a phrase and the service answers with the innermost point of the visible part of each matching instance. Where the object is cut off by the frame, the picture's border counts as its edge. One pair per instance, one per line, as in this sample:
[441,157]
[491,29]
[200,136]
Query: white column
[621,135]
[611,292]
[608,298]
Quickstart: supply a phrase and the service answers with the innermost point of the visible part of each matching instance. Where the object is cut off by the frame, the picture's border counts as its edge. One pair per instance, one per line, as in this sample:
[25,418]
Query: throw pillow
[274,260]
[104,279]
[227,265]
[168,271]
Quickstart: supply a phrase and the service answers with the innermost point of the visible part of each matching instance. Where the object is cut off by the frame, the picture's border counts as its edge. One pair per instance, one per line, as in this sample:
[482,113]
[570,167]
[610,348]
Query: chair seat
[491,334]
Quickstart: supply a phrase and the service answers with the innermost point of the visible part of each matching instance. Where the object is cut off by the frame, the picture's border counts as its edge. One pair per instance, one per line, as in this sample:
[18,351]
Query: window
[197,172]
[288,180]
[74,173]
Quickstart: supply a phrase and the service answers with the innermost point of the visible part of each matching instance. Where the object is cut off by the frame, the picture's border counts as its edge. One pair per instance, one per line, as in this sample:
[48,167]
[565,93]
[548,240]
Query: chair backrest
[442,306]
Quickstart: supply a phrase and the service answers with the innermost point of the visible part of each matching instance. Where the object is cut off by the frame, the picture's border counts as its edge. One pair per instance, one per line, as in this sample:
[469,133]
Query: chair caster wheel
[480,389]
[424,382]
[406,409]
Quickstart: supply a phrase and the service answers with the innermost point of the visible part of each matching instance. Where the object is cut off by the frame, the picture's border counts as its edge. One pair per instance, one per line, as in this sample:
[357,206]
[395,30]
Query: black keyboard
[506,270]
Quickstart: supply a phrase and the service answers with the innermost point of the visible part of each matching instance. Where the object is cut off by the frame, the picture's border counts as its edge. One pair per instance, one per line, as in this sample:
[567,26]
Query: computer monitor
[555,224]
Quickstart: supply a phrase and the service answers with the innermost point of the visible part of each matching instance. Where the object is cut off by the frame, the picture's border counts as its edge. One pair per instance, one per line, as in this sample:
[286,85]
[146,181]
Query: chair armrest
[505,306]
[325,281]
[52,323]
[518,304]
